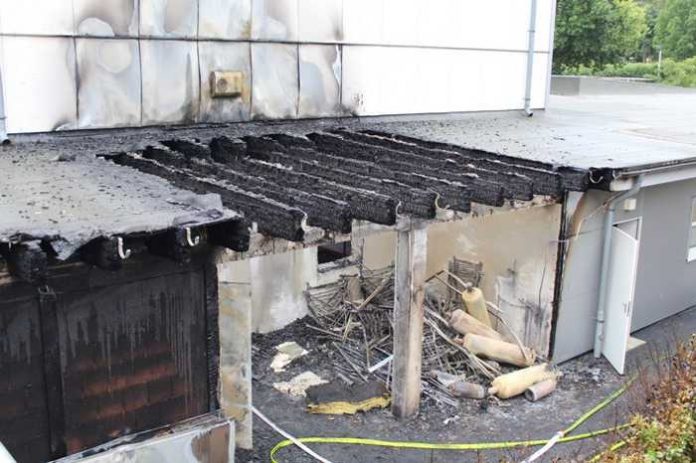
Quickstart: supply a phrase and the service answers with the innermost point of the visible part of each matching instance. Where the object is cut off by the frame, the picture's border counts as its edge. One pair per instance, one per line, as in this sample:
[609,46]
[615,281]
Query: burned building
[148,226]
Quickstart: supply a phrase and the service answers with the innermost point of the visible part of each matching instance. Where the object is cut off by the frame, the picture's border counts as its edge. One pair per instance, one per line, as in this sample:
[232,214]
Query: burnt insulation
[331,178]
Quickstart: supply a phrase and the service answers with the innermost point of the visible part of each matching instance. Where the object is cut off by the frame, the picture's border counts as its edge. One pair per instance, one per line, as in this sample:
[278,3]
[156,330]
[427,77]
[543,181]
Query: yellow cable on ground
[470,446]
[430,446]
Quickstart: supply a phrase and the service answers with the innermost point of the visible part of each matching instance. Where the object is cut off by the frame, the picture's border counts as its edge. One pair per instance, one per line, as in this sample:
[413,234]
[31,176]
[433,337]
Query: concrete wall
[80,64]
[665,280]
[518,250]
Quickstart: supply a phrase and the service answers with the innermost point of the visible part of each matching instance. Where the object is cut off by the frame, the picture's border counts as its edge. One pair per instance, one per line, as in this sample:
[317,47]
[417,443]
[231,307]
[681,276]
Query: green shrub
[680,73]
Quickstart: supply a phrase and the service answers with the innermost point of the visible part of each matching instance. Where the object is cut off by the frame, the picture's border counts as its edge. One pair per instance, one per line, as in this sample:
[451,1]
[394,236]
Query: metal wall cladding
[397,56]
[169,18]
[320,80]
[274,80]
[112,18]
[274,20]
[40,83]
[37,17]
[321,20]
[109,82]
[171,83]
[224,19]
[216,56]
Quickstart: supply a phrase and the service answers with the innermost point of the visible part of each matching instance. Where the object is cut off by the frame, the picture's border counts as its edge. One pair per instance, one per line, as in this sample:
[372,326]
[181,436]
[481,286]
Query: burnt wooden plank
[322,211]
[569,178]
[413,201]
[486,187]
[273,217]
[365,205]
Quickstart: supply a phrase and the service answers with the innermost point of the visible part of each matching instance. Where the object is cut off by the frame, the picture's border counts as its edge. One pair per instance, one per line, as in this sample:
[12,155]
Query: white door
[623,265]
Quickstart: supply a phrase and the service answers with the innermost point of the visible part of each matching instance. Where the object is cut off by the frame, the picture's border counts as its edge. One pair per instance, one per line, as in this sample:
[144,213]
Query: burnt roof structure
[331,178]
[80,194]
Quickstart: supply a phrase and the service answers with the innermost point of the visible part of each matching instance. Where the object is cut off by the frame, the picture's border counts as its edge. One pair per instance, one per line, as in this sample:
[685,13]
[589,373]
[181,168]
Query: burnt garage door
[95,355]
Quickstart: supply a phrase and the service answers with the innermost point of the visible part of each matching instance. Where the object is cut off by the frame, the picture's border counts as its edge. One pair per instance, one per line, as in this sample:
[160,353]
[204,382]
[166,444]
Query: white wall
[71,64]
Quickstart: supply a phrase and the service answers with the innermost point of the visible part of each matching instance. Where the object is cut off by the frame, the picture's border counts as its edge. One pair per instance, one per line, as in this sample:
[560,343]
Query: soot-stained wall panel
[320,80]
[274,20]
[274,81]
[224,19]
[109,82]
[218,56]
[110,18]
[40,83]
[169,18]
[171,84]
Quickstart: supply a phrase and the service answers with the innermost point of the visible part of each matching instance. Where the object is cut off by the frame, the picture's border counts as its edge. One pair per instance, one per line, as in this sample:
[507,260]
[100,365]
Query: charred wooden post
[409,289]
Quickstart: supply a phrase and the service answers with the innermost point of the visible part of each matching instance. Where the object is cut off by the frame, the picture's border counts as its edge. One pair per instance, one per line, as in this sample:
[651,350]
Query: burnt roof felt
[331,178]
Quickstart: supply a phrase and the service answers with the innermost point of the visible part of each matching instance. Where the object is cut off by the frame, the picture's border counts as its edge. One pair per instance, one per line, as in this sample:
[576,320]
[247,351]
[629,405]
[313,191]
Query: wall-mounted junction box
[226,84]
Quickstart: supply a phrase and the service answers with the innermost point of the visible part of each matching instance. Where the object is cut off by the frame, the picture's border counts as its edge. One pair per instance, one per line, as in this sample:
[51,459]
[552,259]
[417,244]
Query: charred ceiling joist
[282,182]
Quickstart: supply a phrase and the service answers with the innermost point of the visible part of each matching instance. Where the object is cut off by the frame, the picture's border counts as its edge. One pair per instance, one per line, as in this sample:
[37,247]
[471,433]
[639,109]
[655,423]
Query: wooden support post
[409,289]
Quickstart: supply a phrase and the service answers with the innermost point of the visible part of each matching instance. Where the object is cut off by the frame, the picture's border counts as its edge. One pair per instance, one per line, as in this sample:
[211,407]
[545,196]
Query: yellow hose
[470,446]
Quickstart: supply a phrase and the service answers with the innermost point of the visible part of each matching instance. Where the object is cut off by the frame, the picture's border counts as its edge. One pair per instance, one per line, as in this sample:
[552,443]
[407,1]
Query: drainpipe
[604,271]
[3,117]
[530,60]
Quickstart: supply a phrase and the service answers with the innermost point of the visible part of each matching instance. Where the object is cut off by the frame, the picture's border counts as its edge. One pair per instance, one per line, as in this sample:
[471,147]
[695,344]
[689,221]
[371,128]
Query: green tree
[596,32]
[675,30]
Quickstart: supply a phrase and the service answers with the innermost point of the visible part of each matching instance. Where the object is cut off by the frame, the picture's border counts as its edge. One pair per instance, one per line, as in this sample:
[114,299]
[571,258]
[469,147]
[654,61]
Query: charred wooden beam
[484,182]
[569,178]
[27,261]
[322,211]
[177,244]
[452,194]
[233,234]
[273,218]
[106,253]
[365,205]
[411,200]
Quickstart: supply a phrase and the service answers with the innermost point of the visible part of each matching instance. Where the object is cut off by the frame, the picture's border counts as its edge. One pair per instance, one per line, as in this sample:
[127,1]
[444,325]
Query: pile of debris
[469,351]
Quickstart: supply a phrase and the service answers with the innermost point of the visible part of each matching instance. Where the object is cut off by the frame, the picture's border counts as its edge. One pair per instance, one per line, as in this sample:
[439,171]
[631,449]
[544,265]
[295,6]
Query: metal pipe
[3,117]
[530,60]
[604,269]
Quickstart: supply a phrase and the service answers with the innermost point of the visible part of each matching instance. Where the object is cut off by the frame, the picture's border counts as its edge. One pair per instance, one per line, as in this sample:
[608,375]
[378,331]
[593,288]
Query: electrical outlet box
[226,84]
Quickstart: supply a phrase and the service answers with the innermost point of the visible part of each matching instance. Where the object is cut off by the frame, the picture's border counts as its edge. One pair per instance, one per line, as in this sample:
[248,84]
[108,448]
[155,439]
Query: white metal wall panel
[40,83]
[274,20]
[390,80]
[224,19]
[215,56]
[402,56]
[274,81]
[37,17]
[109,82]
[169,18]
[321,20]
[320,80]
[110,18]
[171,82]
[491,24]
